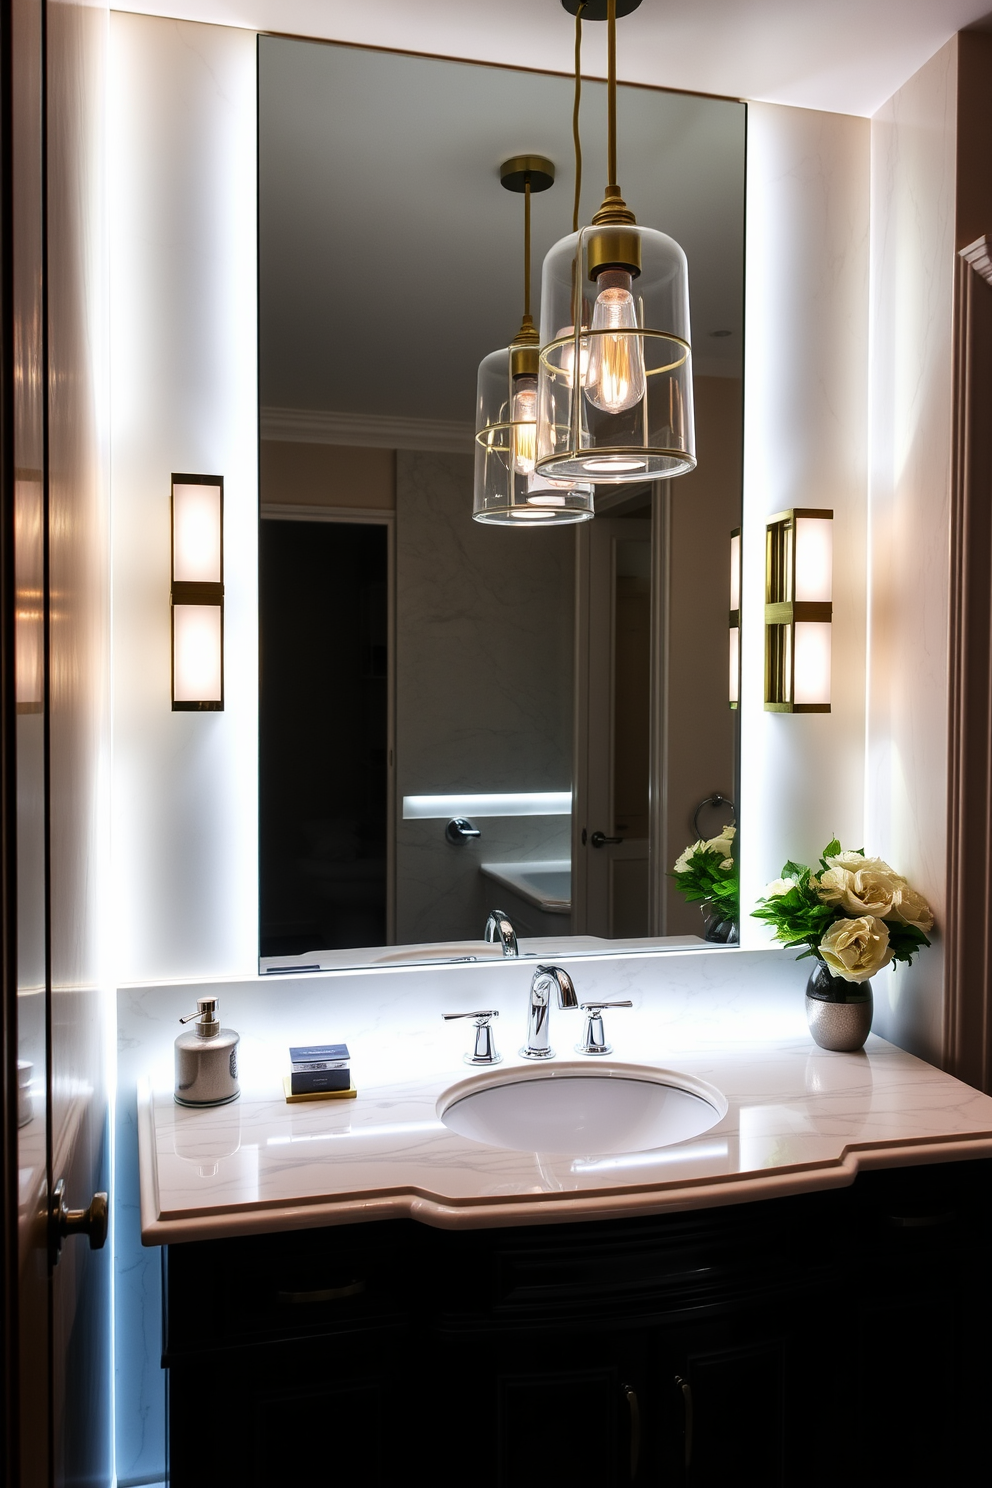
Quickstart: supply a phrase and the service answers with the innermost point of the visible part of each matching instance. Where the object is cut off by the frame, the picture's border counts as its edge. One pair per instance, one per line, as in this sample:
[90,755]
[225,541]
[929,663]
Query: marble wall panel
[442,895]
[484,623]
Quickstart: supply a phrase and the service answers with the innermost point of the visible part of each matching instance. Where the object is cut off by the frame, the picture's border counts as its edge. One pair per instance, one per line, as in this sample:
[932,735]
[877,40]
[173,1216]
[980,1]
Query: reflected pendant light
[509,491]
[615,375]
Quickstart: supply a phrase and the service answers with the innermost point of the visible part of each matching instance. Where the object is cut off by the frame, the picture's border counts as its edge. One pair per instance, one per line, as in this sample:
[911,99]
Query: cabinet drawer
[283,1286]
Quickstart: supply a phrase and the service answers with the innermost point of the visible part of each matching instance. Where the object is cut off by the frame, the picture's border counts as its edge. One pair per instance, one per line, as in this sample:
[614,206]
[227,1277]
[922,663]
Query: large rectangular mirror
[561,692]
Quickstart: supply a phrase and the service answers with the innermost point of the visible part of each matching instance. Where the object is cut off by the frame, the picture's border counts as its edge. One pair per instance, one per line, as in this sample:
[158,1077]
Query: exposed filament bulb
[615,378]
[568,357]
[524,417]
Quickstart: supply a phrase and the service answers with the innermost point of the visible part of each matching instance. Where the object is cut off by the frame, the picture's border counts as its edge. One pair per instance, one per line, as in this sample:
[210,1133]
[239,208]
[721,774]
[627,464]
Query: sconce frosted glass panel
[814,560]
[735,571]
[812,662]
[196,534]
[197,653]
[29,616]
[735,665]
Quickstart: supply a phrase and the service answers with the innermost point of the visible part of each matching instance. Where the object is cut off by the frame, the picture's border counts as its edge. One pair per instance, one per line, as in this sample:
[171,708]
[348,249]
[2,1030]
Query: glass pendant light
[615,375]
[508,489]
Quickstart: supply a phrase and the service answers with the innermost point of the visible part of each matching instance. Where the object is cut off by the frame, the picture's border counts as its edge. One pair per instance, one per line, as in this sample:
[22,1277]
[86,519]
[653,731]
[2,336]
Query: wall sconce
[197,593]
[29,580]
[735,617]
[798,611]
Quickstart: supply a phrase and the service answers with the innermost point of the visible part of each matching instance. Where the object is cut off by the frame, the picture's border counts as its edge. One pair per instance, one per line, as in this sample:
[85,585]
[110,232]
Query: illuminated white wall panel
[913,173]
[805,438]
[182,172]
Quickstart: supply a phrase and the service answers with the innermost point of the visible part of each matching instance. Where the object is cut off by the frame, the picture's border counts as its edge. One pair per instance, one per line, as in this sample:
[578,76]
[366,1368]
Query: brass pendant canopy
[596,10]
[521,172]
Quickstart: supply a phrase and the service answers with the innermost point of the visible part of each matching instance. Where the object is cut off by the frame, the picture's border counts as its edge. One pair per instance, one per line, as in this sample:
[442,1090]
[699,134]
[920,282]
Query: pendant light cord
[527,248]
[611,87]
[576,140]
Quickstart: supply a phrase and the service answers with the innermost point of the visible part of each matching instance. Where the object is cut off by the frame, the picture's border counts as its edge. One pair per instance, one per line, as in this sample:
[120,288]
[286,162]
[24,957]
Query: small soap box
[319,1069]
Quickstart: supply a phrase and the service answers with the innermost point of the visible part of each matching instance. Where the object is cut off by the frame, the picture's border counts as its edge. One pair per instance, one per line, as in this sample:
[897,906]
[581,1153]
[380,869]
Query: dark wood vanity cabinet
[841,1336]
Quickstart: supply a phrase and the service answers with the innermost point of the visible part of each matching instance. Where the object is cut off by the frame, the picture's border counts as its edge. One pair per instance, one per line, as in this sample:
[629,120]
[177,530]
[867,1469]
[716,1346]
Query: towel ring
[715,800]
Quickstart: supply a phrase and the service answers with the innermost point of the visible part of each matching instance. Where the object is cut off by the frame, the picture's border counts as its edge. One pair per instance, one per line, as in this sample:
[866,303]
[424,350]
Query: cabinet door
[333,1433]
[730,1405]
[525,1410]
[318,1413]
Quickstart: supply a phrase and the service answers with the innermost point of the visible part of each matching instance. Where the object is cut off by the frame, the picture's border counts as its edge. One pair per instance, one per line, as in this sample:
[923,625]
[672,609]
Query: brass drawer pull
[923,1221]
[635,1429]
[686,1389]
[323,1294]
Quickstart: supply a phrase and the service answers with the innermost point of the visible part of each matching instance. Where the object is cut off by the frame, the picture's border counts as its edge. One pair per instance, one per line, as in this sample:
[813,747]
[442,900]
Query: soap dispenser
[206,1059]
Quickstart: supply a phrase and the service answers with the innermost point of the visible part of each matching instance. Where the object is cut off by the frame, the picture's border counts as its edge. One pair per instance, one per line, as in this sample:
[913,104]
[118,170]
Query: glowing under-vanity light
[507,803]
[734,678]
[197,593]
[798,611]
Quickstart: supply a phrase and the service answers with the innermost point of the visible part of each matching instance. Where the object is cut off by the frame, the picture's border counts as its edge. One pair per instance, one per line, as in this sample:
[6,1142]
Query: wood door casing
[29,725]
[968,1001]
[78,552]
[596,899]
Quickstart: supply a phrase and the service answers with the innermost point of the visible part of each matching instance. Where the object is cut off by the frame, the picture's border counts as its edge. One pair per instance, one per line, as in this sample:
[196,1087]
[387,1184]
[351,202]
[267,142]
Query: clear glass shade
[508,488]
[615,380]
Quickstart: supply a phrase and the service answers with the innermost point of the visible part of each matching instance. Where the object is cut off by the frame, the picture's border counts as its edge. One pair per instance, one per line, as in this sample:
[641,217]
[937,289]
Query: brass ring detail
[626,450]
[480,437]
[557,372]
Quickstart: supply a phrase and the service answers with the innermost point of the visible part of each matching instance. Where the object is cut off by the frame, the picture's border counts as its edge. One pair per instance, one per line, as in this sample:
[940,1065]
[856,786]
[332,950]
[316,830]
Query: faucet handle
[594,1041]
[485,1045]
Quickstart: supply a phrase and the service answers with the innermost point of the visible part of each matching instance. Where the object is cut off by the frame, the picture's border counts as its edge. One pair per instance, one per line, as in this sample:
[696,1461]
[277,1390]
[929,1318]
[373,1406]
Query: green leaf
[905,941]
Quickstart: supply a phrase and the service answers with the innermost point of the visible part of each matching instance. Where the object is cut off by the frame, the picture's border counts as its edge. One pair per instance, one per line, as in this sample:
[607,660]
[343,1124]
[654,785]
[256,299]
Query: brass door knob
[64,1221]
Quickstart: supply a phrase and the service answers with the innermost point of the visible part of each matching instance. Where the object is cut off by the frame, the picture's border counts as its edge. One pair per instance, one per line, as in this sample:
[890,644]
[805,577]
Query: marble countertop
[797,1117]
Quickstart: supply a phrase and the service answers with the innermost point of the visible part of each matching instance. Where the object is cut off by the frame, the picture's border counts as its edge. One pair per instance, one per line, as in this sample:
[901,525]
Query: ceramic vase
[838,1012]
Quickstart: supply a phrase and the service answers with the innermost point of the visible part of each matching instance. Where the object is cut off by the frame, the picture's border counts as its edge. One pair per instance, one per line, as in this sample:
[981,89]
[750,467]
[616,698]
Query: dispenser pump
[207,1023]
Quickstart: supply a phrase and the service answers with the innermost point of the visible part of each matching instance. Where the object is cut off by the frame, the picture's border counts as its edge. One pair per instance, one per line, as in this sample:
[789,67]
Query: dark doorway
[323,614]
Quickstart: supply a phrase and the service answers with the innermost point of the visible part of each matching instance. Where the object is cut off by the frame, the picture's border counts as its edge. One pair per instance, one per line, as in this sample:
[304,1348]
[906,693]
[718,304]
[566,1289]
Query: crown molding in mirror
[979,255]
[366,430]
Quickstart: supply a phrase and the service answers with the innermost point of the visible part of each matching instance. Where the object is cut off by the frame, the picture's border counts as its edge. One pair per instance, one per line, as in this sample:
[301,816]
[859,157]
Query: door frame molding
[967,1033]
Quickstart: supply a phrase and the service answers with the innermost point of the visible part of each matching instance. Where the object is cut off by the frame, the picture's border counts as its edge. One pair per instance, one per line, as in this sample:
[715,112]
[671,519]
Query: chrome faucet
[498,927]
[538,1044]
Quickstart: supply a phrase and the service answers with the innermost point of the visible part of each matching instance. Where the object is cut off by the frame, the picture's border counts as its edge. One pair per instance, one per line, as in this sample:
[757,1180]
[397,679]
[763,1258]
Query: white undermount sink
[442,950]
[580,1112]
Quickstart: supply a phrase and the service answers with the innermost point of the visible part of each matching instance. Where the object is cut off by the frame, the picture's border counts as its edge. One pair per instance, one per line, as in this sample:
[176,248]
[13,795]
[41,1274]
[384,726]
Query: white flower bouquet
[706,873]
[855,916]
